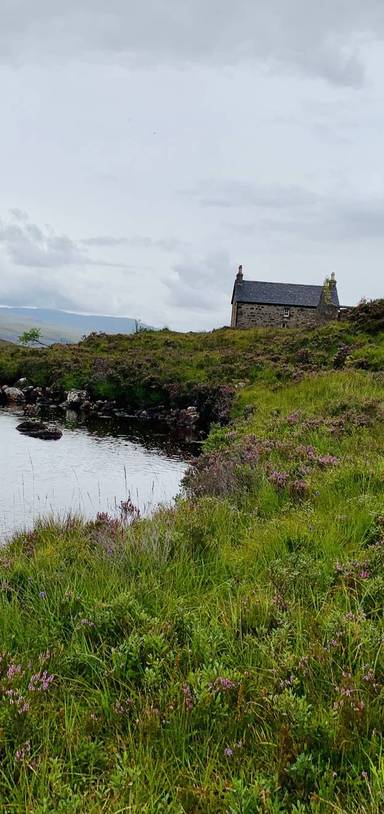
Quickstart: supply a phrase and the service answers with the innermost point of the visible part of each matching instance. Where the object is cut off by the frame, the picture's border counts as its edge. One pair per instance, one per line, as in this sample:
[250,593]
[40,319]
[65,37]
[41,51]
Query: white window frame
[287,312]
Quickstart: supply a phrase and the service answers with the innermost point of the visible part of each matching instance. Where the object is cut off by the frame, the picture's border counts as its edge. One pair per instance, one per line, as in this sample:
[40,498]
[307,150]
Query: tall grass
[225,656]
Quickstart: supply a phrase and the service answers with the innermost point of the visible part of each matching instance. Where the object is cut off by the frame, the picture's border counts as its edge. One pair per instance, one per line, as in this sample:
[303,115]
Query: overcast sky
[147,147]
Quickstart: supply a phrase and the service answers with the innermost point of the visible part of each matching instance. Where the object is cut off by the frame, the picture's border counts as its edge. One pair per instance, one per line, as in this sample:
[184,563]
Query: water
[91,469]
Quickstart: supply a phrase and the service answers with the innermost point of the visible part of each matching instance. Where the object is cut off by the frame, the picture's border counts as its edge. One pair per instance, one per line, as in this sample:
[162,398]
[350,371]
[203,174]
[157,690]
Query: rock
[14,394]
[75,398]
[37,429]
[22,383]
[31,410]
[71,416]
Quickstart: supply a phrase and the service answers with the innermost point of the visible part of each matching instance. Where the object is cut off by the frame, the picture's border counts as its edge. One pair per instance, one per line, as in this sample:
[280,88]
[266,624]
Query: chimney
[239,275]
[332,281]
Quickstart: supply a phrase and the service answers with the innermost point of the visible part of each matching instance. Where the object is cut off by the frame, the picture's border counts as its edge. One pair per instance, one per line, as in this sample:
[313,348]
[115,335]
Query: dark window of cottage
[285,324]
[287,312]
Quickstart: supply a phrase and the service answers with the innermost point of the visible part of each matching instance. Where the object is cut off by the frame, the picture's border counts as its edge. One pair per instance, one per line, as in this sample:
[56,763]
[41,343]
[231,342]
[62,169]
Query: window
[287,312]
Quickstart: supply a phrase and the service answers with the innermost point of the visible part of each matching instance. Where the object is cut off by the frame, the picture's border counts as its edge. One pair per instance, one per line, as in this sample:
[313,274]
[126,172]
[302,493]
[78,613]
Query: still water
[91,469]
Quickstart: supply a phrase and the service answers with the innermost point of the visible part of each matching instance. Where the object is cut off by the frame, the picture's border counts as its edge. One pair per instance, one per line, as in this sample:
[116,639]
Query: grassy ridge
[225,656]
[149,367]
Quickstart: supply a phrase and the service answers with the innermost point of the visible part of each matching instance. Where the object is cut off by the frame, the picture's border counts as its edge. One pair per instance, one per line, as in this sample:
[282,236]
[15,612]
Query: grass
[225,656]
[168,367]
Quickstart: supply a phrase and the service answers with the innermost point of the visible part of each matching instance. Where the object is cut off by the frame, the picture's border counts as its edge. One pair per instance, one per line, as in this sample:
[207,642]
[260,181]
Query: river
[90,470]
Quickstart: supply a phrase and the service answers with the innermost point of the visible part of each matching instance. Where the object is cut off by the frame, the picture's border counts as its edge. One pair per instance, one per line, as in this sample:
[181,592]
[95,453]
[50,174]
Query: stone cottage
[283,305]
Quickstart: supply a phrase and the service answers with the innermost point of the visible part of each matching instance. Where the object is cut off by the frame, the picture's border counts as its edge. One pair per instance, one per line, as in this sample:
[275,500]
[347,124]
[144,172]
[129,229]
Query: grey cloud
[28,245]
[334,219]
[293,210]
[43,268]
[198,283]
[144,242]
[104,240]
[81,288]
[233,194]
[322,39]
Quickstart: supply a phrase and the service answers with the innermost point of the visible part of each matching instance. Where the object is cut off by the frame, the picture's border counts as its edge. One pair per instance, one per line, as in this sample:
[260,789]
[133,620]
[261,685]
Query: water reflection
[91,469]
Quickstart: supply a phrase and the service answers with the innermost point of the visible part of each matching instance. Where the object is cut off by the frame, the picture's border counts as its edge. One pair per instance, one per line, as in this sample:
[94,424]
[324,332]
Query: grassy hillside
[149,367]
[225,656]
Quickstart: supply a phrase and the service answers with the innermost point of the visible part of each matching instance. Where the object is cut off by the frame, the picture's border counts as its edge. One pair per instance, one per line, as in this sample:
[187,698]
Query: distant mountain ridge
[60,326]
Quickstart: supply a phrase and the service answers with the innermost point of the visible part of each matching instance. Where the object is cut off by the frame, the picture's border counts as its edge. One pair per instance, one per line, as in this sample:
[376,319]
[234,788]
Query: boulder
[31,410]
[22,383]
[38,429]
[14,394]
[75,398]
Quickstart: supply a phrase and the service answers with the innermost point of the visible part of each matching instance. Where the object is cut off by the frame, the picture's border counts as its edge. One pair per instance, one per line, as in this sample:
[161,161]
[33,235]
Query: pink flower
[40,682]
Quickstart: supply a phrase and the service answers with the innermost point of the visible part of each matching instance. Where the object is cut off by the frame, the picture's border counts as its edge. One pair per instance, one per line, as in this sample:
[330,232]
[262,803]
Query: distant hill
[59,326]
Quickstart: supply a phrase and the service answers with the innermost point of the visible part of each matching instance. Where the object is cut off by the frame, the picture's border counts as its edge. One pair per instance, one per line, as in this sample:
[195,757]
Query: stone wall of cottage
[249,315]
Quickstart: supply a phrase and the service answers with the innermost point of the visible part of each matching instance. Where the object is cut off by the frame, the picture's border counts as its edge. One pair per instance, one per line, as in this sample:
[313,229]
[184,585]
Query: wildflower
[22,755]
[14,670]
[128,510]
[280,602]
[223,684]
[188,697]
[40,682]
[370,679]
[364,574]
[293,418]
[334,642]
[278,479]
[18,701]
[364,775]
[303,451]
[228,752]
[303,663]
[287,682]
[327,460]
[42,594]
[299,487]
[123,707]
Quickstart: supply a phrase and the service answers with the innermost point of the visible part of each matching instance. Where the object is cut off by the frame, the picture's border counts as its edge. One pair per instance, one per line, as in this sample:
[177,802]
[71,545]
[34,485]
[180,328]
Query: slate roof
[306,296]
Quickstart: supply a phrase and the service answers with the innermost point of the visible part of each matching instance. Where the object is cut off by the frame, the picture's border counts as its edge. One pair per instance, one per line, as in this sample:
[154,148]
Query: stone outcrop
[75,398]
[38,429]
[187,414]
[13,395]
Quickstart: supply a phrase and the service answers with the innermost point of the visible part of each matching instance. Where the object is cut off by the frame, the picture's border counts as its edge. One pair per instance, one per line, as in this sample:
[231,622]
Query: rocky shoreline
[42,401]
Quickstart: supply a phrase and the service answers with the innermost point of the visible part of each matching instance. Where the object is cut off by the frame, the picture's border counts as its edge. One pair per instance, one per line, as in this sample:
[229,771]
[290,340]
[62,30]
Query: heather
[178,369]
[224,656]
